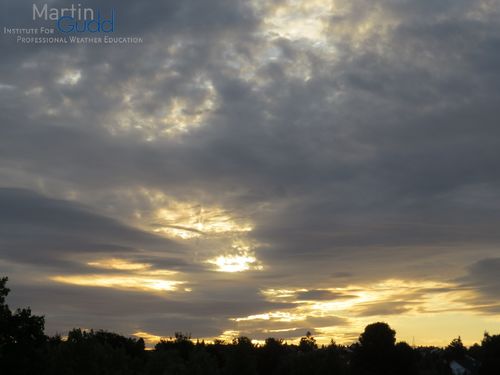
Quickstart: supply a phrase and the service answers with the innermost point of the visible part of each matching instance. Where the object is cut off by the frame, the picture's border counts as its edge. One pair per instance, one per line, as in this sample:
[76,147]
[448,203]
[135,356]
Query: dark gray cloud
[483,278]
[38,230]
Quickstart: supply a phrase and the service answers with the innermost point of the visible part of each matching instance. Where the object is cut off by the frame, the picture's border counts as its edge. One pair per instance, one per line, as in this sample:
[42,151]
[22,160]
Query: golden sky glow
[181,219]
[120,282]
[193,221]
[240,258]
[233,263]
[189,220]
[119,264]
[149,339]
[394,300]
[137,276]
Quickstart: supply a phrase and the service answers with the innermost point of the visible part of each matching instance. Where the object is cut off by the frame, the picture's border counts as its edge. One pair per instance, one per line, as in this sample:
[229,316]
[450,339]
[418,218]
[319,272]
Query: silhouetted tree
[270,355]
[490,355]
[21,337]
[183,345]
[475,351]
[378,337]
[5,315]
[455,350]
[432,361]
[241,358]
[375,354]
[405,359]
[96,352]
[307,343]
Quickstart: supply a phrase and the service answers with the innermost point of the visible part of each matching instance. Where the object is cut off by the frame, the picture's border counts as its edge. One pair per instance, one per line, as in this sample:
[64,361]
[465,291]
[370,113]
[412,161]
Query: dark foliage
[21,337]
[489,355]
[24,349]
[456,350]
[378,354]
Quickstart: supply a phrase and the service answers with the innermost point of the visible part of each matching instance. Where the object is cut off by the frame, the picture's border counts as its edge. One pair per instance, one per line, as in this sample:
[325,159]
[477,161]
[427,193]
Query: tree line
[25,349]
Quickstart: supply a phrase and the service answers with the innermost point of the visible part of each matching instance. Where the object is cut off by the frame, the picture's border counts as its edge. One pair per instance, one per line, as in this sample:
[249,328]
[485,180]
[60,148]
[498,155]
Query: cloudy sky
[258,168]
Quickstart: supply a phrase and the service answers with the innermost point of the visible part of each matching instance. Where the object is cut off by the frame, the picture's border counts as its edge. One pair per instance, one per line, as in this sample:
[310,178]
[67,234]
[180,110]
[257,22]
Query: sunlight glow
[120,282]
[233,263]
[119,264]
[240,259]
[344,314]
[229,335]
[278,316]
[191,220]
[149,339]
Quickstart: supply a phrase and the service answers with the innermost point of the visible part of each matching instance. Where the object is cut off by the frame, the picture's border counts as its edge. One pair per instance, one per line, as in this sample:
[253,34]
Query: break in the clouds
[257,168]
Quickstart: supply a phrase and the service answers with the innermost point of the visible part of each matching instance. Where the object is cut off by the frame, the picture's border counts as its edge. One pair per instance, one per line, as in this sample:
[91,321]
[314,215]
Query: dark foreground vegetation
[25,349]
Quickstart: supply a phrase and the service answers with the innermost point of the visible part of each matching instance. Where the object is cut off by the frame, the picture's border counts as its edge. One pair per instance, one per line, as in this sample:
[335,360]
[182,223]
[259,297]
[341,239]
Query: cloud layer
[342,154]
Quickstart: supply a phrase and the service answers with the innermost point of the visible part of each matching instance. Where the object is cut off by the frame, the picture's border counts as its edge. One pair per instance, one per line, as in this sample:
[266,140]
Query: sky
[257,168]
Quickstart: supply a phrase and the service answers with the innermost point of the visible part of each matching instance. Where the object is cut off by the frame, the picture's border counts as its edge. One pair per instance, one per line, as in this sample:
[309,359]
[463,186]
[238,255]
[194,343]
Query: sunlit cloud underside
[342,313]
[138,276]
